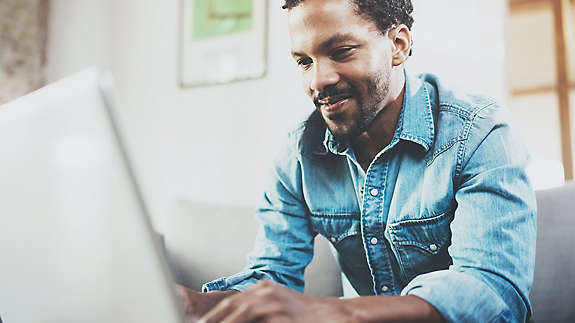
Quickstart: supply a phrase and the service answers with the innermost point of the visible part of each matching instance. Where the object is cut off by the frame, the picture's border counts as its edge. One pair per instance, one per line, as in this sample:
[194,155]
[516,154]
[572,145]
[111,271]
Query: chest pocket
[421,245]
[336,227]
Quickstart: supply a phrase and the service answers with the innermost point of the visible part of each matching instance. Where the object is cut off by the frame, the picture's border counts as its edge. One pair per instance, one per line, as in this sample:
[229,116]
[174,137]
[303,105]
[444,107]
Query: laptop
[76,243]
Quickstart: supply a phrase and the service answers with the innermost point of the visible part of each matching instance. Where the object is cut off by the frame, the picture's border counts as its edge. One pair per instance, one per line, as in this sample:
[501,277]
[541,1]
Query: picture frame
[222,41]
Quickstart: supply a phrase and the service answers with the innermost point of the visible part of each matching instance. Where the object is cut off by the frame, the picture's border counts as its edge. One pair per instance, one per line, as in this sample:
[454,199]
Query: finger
[239,314]
[259,294]
[183,296]
[192,305]
[264,288]
[221,310]
[256,311]
[180,290]
[243,307]
[277,319]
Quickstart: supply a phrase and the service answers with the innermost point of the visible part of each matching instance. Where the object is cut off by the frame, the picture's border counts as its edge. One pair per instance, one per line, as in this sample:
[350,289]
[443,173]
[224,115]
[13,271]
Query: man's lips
[335,107]
[334,103]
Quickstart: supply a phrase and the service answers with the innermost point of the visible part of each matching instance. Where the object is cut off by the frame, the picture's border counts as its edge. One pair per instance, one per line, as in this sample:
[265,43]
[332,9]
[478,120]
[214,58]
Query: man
[420,189]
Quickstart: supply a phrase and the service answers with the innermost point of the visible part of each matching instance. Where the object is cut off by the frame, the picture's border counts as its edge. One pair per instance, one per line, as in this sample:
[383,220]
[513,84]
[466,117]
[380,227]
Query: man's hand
[269,302]
[272,303]
[197,304]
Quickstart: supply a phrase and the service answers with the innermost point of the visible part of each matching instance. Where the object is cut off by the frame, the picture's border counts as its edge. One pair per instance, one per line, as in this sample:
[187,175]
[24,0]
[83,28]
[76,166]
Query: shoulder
[462,113]
[463,120]
[452,100]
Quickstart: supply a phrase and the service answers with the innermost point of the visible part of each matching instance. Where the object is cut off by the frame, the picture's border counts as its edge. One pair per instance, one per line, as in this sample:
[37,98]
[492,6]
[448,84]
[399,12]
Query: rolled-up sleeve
[284,243]
[493,231]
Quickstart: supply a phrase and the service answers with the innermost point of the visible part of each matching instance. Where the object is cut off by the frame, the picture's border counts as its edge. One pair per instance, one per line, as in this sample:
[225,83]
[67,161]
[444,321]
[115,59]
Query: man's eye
[342,52]
[304,62]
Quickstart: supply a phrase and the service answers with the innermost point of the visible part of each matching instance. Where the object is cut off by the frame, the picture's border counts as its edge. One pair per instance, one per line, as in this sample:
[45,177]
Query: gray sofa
[553,291]
[206,241]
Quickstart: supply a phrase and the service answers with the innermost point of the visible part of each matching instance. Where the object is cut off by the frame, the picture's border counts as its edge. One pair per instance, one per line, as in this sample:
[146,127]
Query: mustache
[332,91]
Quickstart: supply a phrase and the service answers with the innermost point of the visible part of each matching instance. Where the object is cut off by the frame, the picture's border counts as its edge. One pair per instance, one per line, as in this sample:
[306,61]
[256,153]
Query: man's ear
[401,38]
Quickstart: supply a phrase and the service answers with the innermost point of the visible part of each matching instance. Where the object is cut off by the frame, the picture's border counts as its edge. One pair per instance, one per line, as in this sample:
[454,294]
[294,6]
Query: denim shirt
[444,212]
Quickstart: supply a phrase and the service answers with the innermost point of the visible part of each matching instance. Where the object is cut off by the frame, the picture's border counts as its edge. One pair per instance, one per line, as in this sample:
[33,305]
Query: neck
[380,132]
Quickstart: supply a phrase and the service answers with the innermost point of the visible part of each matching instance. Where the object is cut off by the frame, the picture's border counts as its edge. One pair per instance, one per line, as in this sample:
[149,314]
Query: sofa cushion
[553,291]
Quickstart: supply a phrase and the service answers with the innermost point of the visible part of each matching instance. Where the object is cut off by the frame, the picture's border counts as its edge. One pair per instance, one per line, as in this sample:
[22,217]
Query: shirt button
[373,240]
[374,192]
[433,247]
[384,288]
[333,239]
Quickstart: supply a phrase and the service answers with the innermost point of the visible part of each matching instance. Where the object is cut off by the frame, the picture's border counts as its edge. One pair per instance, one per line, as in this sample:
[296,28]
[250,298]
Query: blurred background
[201,153]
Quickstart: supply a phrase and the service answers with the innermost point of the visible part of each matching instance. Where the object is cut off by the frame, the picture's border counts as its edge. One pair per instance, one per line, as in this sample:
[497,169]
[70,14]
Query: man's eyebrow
[296,54]
[337,38]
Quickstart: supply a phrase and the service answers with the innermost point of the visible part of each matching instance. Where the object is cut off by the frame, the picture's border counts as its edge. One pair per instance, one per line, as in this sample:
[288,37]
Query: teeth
[331,101]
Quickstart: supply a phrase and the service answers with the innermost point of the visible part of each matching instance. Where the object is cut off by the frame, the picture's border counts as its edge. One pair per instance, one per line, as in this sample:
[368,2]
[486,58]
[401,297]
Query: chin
[341,133]
[341,125]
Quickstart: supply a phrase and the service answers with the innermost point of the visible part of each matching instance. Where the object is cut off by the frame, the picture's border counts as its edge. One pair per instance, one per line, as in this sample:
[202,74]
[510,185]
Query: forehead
[315,21]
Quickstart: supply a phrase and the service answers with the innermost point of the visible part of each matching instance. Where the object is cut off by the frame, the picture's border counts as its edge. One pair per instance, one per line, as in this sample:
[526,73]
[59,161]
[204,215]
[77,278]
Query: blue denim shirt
[444,212]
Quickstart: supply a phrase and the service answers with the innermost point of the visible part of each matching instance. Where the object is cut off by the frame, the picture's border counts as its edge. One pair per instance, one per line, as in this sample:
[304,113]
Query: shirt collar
[415,122]
[416,119]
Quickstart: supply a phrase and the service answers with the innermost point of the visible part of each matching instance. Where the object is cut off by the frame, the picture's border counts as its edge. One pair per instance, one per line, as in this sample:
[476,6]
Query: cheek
[305,85]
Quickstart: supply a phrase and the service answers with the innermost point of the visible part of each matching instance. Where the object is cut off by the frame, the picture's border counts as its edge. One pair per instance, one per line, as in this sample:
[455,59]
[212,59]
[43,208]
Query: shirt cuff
[459,297]
[240,281]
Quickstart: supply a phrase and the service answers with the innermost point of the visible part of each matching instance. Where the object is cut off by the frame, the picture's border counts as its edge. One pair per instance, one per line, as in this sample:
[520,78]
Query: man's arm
[270,302]
[284,244]
[493,230]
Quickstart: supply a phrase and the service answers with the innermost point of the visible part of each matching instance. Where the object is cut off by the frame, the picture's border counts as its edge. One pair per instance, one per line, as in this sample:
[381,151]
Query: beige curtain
[23,32]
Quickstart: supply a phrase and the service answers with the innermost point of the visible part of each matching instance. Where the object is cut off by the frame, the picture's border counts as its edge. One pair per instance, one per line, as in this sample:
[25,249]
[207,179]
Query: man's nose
[323,75]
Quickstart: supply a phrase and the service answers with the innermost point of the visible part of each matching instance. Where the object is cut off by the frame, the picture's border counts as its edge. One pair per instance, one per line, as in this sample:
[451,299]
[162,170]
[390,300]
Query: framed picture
[222,41]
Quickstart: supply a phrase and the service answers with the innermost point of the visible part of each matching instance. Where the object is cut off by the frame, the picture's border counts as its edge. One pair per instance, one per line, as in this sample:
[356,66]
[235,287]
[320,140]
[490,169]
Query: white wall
[78,36]
[195,143]
[209,144]
[463,42]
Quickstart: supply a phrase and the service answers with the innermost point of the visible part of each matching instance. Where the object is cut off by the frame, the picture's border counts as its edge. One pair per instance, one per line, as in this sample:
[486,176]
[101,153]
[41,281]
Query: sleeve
[284,243]
[493,231]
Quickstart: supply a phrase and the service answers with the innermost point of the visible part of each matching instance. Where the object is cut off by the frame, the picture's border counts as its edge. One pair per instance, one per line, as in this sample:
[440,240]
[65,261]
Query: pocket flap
[429,234]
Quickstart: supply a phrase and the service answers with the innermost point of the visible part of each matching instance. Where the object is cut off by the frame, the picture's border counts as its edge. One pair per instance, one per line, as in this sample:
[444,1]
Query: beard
[345,128]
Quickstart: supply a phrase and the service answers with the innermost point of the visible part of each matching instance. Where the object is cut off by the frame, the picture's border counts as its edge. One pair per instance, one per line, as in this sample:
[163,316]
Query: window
[541,71]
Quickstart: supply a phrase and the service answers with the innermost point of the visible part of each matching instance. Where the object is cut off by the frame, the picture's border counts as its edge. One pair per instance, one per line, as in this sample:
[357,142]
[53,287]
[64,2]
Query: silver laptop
[76,244]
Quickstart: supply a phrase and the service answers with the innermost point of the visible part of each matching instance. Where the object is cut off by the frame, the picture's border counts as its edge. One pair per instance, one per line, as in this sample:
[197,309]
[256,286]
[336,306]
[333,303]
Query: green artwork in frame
[213,18]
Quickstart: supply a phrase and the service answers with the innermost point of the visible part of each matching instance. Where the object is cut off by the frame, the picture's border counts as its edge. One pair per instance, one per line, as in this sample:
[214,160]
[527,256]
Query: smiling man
[421,189]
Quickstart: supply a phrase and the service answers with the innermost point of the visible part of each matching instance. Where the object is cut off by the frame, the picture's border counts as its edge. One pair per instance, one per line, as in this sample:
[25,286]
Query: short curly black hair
[384,13]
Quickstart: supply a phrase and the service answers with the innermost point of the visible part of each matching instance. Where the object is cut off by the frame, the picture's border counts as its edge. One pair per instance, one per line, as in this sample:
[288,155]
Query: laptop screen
[75,240]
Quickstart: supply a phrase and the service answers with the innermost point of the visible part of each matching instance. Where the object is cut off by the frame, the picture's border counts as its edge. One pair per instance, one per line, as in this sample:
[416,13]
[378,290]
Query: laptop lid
[76,244]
